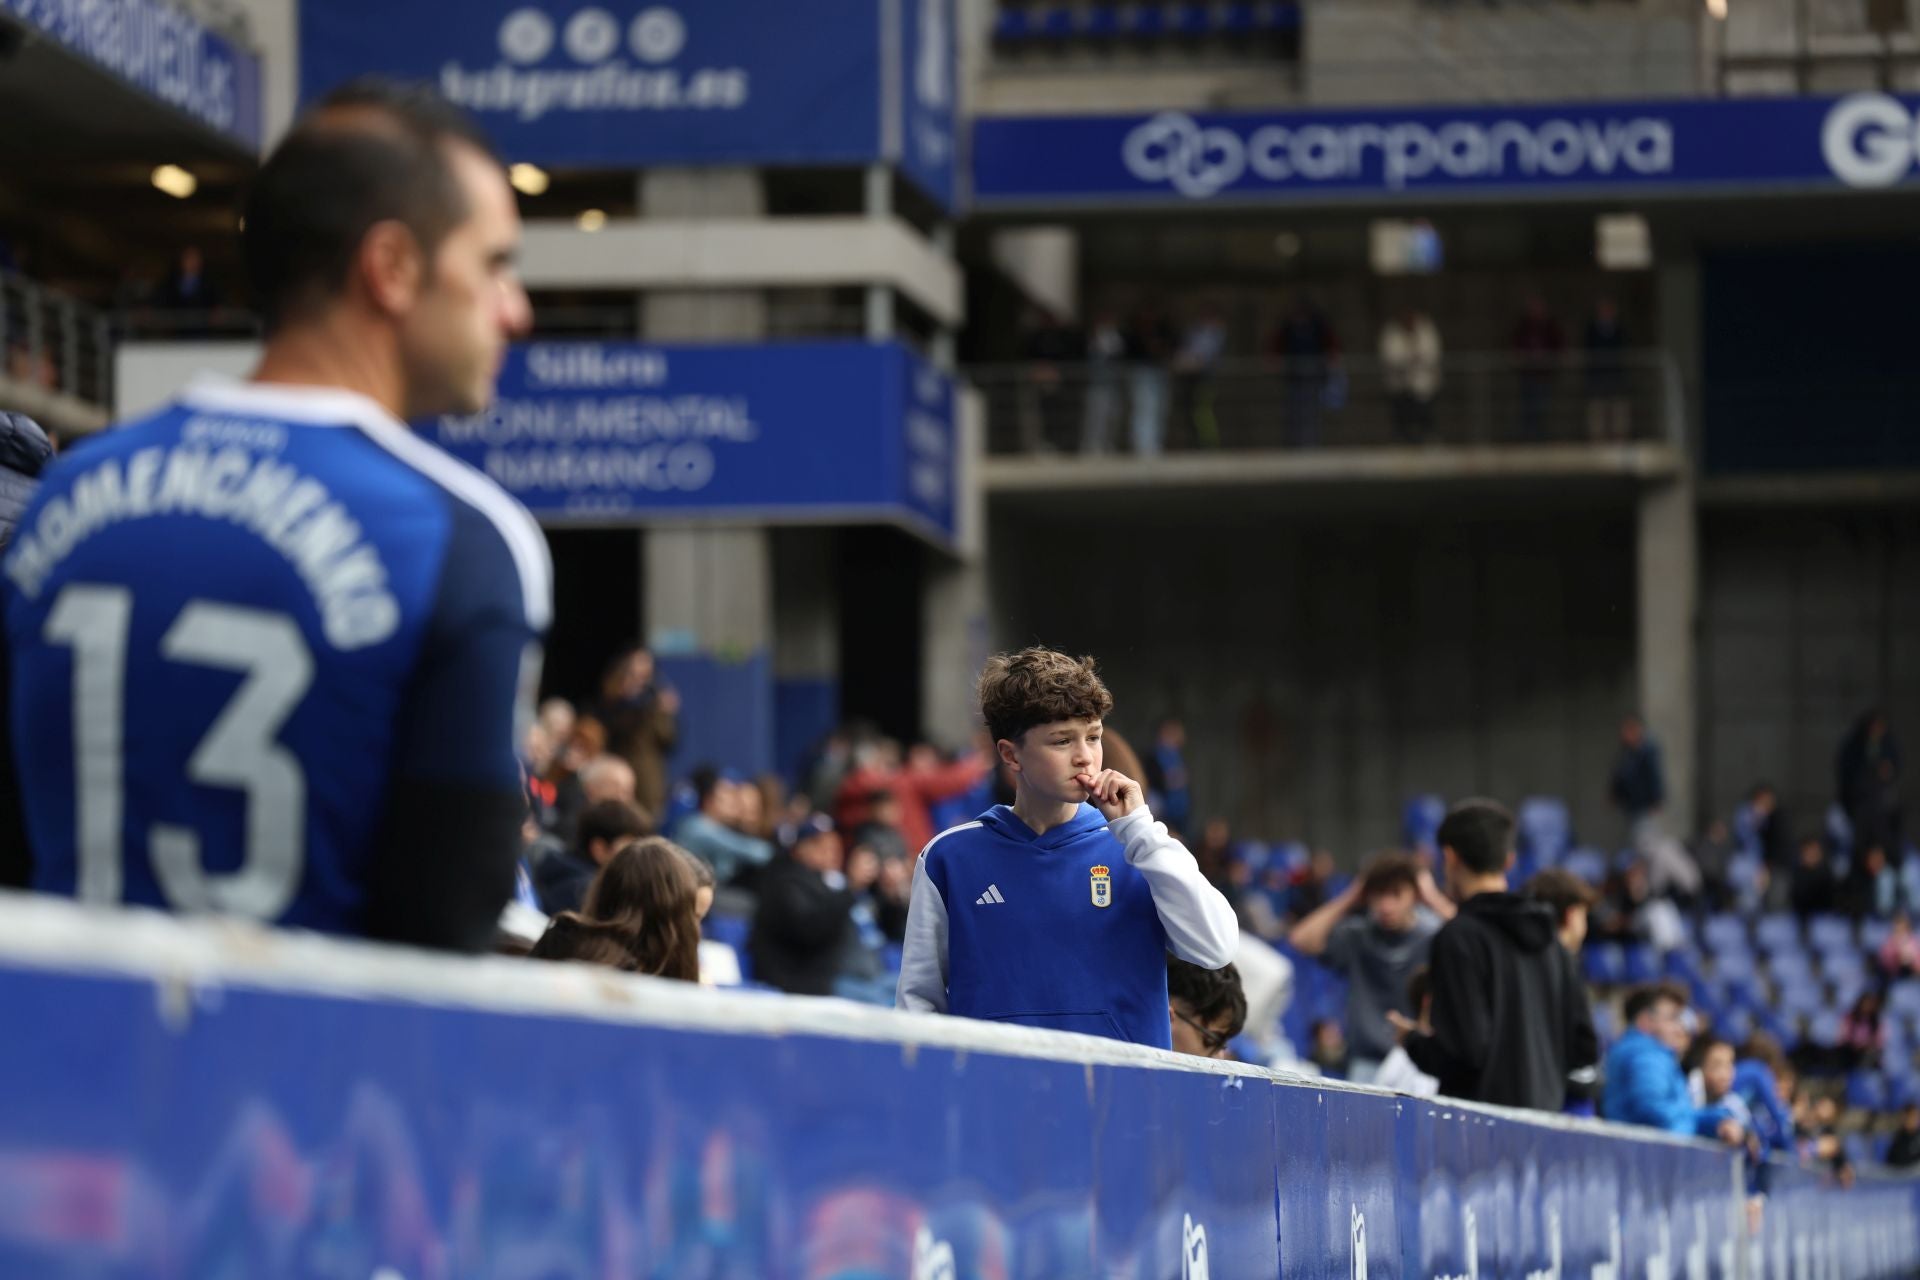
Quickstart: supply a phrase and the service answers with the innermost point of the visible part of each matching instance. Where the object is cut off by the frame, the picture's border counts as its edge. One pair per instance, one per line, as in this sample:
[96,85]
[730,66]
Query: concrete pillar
[878,204]
[806,642]
[955,615]
[1669,598]
[709,588]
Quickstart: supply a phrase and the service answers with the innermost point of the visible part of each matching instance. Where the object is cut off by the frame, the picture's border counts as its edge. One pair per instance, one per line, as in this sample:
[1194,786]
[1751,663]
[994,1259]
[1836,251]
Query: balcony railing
[1355,402]
[53,344]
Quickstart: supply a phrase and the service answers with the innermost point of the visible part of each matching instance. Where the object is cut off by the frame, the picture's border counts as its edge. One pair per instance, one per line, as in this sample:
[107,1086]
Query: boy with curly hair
[1059,910]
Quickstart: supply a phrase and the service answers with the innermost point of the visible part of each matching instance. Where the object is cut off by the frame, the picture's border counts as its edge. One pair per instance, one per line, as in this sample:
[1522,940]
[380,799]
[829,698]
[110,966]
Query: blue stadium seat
[1147,22]
[1725,933]
[1013,25]
[1278,15]
[1685,964]
[1733,966]
[1823,1030]
[1643,964]
[1874,935]
[1743,878]
[1830,933]
[1058,24]
[1867,1090]
[1785,1033]
[1420,820]
[1103,22]
[1589,864]
[1193,18]
[1859,1149]
[1790,966]
[1545,827]
[1236,19]
[1776,932]
[1843,966]
[1801,1000]
[1903,998]
[1606,964]
[1734,1025]
[732,930]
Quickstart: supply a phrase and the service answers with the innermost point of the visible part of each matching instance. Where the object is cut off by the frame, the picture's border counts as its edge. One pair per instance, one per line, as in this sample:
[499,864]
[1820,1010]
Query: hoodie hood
[1528,923]
[24,450]
[1004,822]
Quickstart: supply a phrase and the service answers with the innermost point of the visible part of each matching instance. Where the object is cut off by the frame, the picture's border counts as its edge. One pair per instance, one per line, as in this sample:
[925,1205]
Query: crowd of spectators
[1162,378]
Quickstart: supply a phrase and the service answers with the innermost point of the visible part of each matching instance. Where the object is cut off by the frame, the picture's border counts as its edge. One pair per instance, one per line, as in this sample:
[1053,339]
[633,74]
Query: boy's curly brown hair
[1039,686]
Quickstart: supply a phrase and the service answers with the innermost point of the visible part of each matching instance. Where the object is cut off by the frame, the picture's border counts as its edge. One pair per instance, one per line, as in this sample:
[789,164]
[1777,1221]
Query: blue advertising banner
[818,431]
[631,83]
[161,50]
[196,1100]
[1862,141]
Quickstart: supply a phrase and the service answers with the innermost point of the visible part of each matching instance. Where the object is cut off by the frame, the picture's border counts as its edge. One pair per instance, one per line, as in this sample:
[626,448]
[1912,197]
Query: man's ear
[390,266]
[1511,858]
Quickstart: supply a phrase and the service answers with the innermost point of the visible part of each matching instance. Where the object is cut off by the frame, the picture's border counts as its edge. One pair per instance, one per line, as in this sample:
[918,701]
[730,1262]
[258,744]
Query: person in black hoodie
[1510,1015]
[24,451]
[804,927]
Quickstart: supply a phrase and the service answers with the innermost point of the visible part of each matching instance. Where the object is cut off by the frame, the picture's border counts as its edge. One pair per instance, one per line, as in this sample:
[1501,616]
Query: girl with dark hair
[641,914]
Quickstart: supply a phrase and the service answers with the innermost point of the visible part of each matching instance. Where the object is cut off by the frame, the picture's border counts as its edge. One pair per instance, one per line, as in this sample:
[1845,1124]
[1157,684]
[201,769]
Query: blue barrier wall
[207,1101]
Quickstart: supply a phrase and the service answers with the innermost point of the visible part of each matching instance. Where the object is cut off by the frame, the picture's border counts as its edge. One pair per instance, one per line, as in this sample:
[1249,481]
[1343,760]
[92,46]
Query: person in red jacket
[924,780]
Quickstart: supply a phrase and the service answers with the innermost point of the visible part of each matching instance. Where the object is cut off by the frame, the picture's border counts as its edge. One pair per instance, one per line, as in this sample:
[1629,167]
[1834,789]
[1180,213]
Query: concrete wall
[1330,668]
[1807,618]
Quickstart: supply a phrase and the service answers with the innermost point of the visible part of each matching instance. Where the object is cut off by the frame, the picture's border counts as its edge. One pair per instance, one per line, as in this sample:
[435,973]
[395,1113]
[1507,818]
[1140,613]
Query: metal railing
[1354,402]
[53,343]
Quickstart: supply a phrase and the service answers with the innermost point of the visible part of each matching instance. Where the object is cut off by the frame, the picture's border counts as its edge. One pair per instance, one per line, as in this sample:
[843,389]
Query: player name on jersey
[225,470]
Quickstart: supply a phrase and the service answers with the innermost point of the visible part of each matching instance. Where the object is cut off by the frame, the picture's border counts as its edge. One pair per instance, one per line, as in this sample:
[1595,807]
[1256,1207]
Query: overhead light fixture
[529,179]
[1717,9]
[591,220]
[175,181]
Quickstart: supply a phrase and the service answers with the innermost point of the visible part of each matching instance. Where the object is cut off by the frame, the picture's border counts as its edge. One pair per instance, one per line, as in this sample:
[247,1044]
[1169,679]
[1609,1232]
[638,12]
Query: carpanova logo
[1201,161]
[1870,140]
[594,73]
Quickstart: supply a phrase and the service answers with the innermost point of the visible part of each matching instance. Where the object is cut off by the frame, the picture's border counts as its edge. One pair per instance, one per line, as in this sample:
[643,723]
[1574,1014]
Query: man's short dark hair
[1561,890]
[1388,872]
[1209,993]
[373,150]
[703,780]
[1480,833]
[1644,998]
[612,821]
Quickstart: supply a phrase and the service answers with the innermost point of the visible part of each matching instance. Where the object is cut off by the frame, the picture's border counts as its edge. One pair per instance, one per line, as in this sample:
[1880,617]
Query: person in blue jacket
[1058,911]
[1645,1085]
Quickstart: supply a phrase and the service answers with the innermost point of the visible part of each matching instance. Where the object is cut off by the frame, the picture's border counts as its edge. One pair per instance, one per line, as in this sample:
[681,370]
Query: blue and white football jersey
[241,631]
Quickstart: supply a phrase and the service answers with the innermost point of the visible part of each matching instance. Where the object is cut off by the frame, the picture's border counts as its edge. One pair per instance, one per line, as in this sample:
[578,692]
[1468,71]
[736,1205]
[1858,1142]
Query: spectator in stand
[586,743]
[1904,1152]
[831,762]
[1149,349]
[1631,913]
[1309,356]
[1645,1085]
[1570,899]
[1869,777]
[1712,854]
[1763,1078]
[1329,1052]
[558,718]
[1168,789]
[1106,369]
[1314,887]
[1538,346]
[1510,1016]
[1900,954]
[1609,407]
[1762,829]
[892,894]
[1638,785]
[1194,366]
[602,777]
[1410,366]
[641,914]
[561,877]
[1872,886]
[1376,935]
[1215,853]
[1812,888]
[641,717]
[805,940]
[1398,1072]
[1710,1080]
[924,780]
[710,834]
[881,831]
[1049,349]
[1207,1006]
[186,287]
[1862,1037]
